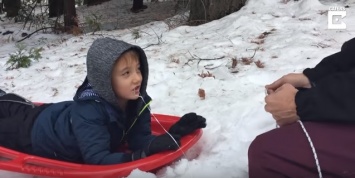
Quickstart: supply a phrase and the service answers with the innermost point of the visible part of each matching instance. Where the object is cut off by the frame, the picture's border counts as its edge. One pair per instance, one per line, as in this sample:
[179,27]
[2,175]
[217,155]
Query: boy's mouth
[136,89]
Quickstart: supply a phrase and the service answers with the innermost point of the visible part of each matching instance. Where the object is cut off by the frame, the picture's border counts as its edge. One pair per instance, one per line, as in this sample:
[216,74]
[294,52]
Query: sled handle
[28,165]
[39,170]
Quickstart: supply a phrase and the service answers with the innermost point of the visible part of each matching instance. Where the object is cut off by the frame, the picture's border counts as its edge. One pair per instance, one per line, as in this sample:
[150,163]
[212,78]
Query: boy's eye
[126,73]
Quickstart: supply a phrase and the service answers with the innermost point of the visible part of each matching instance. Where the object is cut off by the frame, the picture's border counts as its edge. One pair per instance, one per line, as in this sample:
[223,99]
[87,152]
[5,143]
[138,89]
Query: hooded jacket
[332,95]
[91,128]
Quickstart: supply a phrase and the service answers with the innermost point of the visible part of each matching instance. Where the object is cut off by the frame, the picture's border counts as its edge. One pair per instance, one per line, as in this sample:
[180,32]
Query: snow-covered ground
[296,37]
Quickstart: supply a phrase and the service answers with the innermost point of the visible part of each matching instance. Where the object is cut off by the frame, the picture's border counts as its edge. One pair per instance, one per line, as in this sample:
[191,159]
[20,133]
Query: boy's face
[127,77]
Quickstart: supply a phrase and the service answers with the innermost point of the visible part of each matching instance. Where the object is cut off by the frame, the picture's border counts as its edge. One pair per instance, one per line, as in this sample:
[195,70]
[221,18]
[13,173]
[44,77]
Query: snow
[234,103]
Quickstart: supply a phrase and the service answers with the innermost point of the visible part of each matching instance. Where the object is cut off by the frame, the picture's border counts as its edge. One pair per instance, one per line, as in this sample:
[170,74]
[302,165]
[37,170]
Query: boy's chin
[134,97]
[130,97]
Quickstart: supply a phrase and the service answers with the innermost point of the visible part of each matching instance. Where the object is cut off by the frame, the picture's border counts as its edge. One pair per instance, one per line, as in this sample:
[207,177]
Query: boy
[109,109]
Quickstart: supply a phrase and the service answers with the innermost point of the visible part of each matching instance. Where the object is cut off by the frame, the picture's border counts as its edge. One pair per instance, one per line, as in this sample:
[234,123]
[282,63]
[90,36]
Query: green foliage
[93,22]
[22,58]
[135,33]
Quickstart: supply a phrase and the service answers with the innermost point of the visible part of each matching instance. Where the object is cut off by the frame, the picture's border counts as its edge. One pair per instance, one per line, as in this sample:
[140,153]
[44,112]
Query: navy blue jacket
[89,130]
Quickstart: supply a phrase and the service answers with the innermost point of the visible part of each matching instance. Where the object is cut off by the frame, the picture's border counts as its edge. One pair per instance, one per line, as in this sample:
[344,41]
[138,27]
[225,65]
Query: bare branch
[29,35]
[254,52]
[159,40]
[228,38]
[197,58]
[28,15]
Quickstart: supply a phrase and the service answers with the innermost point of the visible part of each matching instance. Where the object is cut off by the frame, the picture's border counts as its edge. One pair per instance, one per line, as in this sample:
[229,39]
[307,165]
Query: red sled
[14,161]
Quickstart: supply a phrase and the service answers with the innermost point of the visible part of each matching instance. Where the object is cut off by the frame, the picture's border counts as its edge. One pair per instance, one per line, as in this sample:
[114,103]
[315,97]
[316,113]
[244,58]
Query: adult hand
[281,104]
[297,80]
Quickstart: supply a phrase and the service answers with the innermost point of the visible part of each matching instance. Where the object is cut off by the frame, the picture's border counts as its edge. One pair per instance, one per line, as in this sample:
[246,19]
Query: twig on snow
[197,58]
[29,35]
[159,40]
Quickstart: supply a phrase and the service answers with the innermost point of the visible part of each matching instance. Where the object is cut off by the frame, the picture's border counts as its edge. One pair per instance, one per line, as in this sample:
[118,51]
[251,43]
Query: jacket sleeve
[343,61]
[140,134]
[332,99]
[93,137]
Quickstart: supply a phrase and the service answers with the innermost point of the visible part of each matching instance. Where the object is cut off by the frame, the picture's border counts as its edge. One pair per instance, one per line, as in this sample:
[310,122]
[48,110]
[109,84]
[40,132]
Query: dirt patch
[116,14]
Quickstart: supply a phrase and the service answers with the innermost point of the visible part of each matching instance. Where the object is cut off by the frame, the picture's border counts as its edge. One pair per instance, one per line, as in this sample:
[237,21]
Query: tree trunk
[202,11]
[56,7]
[11,7]
[70,18]
[94,2]
[1,7]
[181,5]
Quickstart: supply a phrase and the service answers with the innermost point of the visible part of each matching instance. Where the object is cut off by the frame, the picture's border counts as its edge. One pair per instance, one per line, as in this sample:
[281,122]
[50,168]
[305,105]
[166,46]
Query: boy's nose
[137,78]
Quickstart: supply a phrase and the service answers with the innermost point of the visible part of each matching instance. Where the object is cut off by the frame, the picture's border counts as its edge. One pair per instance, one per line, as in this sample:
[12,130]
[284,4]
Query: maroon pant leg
[286,152]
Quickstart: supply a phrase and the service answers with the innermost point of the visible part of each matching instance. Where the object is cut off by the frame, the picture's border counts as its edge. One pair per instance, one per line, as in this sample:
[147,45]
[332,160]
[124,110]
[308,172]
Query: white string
[310,143]
[313,149]
[183,153]
[163,127]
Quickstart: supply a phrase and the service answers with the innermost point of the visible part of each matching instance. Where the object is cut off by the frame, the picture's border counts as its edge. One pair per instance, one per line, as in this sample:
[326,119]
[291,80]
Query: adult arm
[342,61]
[331,99]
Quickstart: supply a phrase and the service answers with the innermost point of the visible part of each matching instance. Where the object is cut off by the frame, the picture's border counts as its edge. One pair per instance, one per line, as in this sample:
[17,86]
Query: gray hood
[101,58]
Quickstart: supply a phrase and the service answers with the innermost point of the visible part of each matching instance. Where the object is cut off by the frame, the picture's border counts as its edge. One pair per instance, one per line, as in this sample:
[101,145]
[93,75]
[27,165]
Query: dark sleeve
[141,133]
[332,99]
[93,137]
[342,61]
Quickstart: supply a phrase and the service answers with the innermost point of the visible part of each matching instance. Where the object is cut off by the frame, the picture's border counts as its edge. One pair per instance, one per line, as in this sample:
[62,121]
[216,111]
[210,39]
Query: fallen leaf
[234,63]
[201,93]
[259,64]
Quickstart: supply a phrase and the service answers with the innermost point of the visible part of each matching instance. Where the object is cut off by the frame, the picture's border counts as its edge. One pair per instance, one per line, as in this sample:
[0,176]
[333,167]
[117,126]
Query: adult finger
[270,91]
[267,108]
[278,89]
[275,85]
[269,99]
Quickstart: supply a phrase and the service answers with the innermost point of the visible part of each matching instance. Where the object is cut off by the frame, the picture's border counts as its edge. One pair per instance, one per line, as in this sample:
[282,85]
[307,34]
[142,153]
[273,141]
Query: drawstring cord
[163,127]
[313,149]
[310,143]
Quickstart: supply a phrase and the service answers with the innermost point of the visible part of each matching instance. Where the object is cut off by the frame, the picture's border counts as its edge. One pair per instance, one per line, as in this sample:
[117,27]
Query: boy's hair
[132,54]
